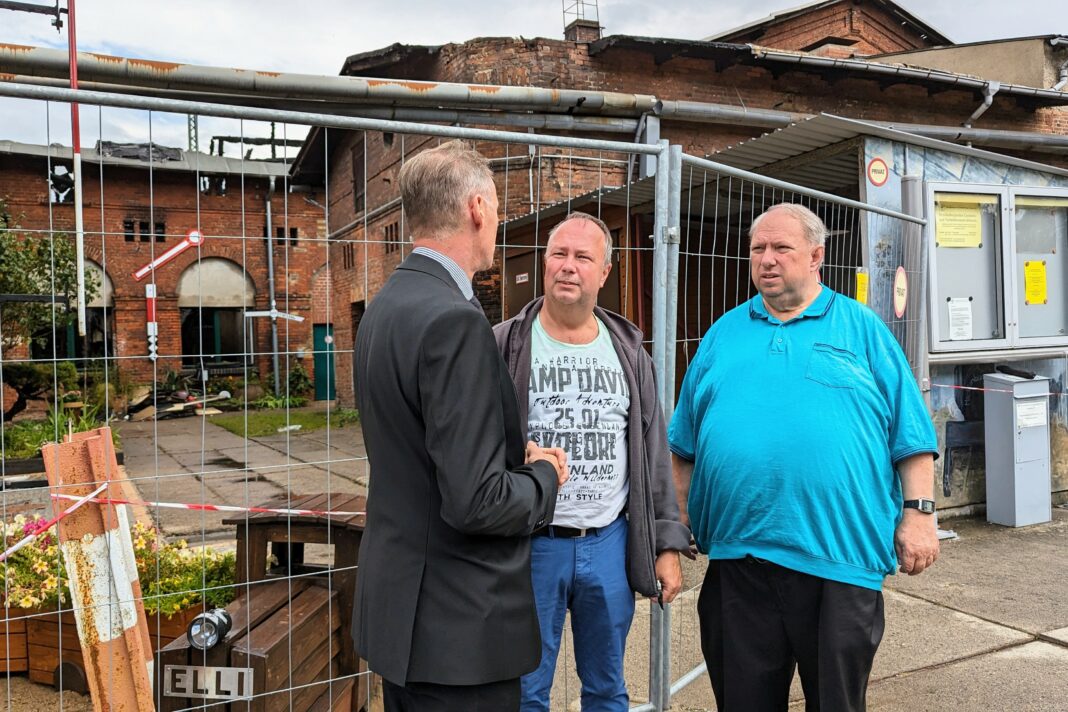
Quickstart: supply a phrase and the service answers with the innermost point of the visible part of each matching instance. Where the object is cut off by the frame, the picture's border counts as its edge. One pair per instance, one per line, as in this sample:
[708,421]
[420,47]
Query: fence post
[916,256]
[673,237]
[105,591]
[660,269]
[660,351]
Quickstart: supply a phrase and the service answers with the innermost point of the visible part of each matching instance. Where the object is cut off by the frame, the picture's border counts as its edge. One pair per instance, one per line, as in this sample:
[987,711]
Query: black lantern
[207,629]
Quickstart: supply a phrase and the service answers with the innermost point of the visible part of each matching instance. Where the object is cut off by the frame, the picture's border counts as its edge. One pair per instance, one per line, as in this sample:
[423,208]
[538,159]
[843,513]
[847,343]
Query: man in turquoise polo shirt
[803,457]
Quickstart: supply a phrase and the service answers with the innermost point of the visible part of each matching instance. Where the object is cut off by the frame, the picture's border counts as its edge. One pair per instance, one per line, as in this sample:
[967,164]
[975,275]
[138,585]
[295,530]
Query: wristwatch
[927,506]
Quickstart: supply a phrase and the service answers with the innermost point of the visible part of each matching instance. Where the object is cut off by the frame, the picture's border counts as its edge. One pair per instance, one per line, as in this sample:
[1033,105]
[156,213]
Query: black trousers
[429,697]
[760,620]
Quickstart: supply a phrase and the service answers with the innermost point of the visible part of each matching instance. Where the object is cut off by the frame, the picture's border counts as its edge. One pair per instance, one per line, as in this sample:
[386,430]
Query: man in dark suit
[444,608]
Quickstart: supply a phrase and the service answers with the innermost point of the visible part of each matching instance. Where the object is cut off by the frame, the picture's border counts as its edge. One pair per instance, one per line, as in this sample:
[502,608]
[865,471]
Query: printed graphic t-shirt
[579,402]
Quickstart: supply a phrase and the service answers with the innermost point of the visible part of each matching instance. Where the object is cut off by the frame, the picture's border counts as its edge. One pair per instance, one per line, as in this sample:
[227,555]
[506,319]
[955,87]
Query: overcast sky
[315,36]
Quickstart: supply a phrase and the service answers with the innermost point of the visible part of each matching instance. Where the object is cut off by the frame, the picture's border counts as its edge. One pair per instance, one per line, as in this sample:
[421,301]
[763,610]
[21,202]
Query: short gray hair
[811,226]
[586,217]
[436,184]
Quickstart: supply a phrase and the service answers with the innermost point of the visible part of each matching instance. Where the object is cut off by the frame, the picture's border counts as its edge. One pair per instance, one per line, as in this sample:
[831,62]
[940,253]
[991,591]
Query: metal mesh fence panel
[224,292]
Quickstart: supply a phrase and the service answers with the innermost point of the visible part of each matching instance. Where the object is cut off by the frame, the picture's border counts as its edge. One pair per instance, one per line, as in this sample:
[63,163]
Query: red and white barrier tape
[971,388]
[218,507]
[44,526]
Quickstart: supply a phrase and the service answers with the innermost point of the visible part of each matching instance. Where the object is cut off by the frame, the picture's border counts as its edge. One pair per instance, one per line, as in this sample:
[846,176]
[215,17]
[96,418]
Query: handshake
[553,455]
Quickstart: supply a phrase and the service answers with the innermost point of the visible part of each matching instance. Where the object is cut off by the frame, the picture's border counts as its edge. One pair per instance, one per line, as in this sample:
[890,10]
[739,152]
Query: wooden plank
[281,667]
[41,677]
[290,620]
[299,627]
[302,697]
[176,653]
[341,695]
[260,602]
[319,666]
[12,625]
[15,665]
[13,645]
[45,659]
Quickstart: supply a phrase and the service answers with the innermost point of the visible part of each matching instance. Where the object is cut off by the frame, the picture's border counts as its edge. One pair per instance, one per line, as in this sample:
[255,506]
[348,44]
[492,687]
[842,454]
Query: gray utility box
[1017,450]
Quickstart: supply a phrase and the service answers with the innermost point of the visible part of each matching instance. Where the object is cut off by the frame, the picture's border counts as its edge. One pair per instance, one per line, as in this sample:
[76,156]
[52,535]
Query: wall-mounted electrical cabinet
[999,267]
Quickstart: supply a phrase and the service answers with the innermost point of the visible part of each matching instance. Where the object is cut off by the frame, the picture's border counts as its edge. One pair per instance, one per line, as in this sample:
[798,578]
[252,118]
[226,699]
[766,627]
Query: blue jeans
[587,575]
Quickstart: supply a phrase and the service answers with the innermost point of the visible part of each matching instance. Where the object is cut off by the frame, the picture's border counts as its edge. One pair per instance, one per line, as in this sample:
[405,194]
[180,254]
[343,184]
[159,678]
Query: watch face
[927,506]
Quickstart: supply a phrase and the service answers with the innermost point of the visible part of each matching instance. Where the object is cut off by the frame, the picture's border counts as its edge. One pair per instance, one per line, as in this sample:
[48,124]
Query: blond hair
[436,184]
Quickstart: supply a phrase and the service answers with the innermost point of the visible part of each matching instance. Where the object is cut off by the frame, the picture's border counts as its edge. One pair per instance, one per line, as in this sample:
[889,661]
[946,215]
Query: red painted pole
[76,143]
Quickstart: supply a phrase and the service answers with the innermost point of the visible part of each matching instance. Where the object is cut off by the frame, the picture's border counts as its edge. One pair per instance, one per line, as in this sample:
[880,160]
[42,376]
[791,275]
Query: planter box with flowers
[38,631]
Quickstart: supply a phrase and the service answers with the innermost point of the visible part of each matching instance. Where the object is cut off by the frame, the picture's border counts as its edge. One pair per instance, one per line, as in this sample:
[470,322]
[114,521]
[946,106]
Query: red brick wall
[866,26]
[561,64]
[233,225]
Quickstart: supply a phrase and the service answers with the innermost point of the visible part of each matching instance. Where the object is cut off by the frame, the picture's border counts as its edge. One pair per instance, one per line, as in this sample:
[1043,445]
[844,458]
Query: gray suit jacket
[443,591]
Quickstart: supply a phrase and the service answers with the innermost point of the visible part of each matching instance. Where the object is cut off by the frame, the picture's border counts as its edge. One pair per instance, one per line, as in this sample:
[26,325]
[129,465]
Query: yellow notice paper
[1035,282]
[958,225]
[862,287]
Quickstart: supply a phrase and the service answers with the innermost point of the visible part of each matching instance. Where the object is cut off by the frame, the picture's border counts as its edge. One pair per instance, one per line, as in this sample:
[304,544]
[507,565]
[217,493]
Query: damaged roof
[137,156]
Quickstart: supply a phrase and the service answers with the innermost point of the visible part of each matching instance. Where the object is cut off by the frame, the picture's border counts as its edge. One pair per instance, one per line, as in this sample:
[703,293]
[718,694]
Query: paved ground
[191,460]
[985,629]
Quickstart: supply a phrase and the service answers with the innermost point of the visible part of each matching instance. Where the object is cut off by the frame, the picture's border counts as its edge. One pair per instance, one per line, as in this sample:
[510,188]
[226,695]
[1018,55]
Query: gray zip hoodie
[652,510]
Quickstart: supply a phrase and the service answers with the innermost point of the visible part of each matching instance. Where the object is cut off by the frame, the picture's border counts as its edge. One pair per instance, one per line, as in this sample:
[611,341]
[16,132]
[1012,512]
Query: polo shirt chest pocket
[834,367]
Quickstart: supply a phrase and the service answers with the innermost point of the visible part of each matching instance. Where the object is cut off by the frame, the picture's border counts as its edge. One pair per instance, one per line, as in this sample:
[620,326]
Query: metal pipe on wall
[270,289]
[42,61]
[354,123]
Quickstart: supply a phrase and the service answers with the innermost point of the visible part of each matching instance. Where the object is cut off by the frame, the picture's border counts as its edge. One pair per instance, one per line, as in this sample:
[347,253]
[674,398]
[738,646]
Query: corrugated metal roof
[829,172]
[189,162]
[639,195]
[826,130]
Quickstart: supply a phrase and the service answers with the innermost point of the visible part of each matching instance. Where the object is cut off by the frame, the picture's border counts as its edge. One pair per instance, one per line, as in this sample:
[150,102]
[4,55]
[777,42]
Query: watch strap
[927,506]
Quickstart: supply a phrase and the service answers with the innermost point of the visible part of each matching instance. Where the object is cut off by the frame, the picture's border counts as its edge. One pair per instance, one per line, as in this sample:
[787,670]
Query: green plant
[218,384]
[34,381]
[257,424]
[299,382]
[173,576]
[38,264]
[102,396]
[173,381]
[345,416]
[271,401]
[25,438]
[63,421]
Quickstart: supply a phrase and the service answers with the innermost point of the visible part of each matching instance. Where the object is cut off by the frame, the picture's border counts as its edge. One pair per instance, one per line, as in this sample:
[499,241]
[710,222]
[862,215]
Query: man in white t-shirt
[586,385]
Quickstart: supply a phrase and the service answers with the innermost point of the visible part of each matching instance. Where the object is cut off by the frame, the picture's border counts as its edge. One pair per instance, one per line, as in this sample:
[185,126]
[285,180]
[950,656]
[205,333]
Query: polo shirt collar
[819,307]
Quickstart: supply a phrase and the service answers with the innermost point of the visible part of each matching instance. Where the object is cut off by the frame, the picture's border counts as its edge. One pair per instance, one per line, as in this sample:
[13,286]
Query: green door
[324,361]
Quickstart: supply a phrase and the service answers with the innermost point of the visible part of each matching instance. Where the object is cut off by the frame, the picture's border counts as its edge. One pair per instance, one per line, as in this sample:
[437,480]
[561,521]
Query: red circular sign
[901,292]
[878,173]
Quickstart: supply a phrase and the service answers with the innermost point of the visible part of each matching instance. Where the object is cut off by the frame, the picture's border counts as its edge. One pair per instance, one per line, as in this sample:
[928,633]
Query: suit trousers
[500,696]
[760,620]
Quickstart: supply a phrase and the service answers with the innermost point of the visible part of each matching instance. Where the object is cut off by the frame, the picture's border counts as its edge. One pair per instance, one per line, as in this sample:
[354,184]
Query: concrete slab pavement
[190,460]
[986,628]
[982,630]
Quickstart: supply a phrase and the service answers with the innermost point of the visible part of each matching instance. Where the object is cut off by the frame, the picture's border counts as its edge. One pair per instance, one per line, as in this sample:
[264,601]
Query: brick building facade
[134,212]
[366,224]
